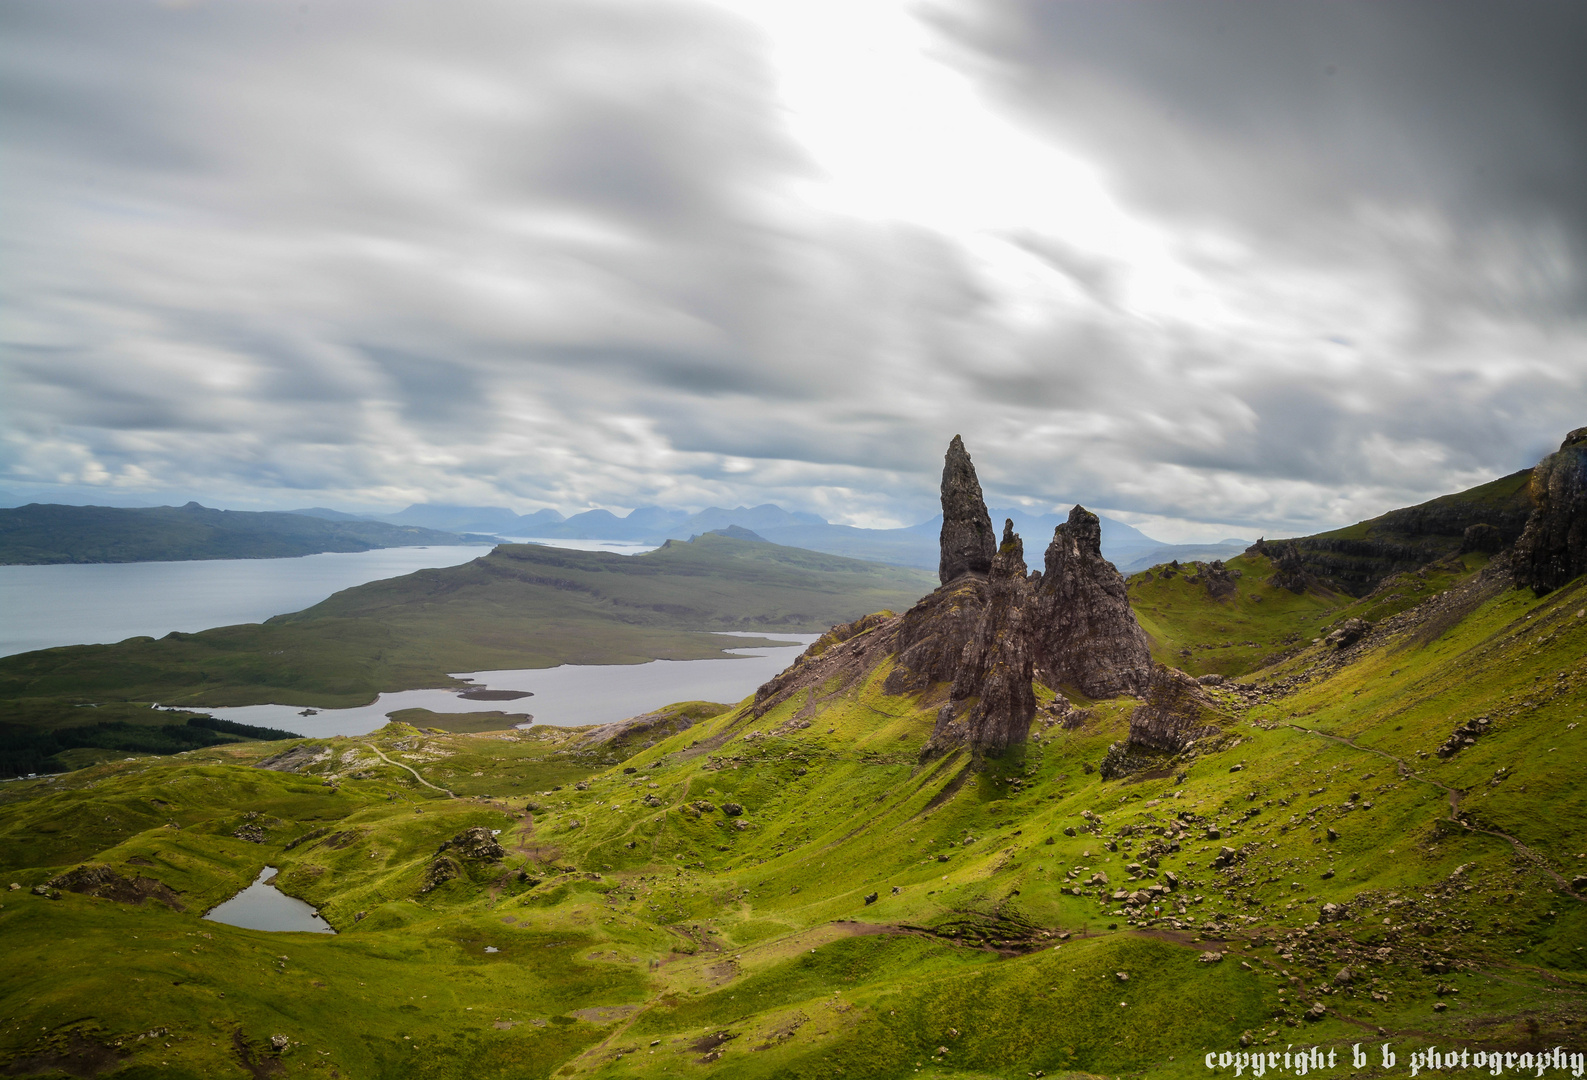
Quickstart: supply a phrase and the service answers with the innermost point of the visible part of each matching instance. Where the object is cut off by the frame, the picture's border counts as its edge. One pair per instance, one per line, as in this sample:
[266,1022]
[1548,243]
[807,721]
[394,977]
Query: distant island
[42,533]
[51,533]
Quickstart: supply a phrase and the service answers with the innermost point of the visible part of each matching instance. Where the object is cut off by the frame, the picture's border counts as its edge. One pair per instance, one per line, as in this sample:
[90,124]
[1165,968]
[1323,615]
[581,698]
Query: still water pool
[262,906]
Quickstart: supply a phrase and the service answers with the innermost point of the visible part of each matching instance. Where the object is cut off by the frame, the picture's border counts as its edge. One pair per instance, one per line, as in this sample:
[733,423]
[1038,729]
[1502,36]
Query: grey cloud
[548,253]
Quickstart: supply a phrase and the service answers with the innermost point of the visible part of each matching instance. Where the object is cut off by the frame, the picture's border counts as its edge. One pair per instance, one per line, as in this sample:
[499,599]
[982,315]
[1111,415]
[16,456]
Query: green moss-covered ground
[638,928]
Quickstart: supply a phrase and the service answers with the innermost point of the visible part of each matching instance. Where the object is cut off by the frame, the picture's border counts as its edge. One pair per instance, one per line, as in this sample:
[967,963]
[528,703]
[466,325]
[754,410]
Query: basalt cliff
[993,628]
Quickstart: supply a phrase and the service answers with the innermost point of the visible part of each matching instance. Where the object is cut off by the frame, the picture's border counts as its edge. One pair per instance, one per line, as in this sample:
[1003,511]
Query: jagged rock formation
[1086,635]
[988,632]
[968,542]
[997,665]
[1553,548]
[1177,712]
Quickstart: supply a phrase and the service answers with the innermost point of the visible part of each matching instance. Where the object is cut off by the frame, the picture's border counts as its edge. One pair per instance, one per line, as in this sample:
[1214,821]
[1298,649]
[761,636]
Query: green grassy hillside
[1318,876]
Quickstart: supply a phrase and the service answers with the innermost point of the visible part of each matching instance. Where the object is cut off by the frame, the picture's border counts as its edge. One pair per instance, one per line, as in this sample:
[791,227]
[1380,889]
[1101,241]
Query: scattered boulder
[1465,735]
[870,898]
[1210,958]
[1316,1012]
[1348,633]
[732,809]
[1331,913]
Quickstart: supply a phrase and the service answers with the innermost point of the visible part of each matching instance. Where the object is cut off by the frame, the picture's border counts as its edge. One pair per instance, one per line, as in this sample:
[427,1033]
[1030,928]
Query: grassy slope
[703,928]
[521,606]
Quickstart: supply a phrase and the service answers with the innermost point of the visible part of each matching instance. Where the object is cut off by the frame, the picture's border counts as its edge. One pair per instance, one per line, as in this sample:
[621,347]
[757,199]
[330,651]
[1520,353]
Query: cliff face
[1553,548]
[1357,559]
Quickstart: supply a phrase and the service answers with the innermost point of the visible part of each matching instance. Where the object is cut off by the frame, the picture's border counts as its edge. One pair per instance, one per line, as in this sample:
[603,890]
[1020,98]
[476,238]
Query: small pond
[262,906]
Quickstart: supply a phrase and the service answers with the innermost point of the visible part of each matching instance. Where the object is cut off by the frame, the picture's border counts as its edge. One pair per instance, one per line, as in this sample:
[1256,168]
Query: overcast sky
[1211,268]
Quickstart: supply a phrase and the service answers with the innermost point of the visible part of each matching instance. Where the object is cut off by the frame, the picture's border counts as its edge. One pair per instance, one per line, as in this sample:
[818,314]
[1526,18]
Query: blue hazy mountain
[914,545]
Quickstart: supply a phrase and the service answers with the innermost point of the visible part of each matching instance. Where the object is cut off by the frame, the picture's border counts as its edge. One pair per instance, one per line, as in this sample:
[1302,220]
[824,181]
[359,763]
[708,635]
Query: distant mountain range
[53,533]
[916,546]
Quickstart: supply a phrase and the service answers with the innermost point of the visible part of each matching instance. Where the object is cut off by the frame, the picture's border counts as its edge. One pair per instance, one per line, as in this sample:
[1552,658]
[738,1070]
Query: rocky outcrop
[1348,633]
[98,879]
[476,843]
[997,665]
[968,543]
[295,758]
[988,632]
[1085,634]
[1176,713]
[1553,548]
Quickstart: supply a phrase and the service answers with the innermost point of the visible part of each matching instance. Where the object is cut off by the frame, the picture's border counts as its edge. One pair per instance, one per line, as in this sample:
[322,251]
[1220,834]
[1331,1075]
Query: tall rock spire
[1087,636]
[968,542]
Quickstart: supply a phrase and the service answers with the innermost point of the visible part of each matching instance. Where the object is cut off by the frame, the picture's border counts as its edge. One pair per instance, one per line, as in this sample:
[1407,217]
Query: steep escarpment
[1553,547]
[1356,559]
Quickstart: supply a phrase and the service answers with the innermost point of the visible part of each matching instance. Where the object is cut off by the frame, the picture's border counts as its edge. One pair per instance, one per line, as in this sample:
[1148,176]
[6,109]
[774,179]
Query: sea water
[568,695]
[93,603]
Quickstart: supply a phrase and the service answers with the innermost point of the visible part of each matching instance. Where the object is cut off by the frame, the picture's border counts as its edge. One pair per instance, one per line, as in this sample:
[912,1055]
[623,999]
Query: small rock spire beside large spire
[968,542]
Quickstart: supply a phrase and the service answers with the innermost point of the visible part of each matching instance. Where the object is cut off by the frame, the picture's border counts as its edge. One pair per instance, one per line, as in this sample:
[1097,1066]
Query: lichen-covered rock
[1176,712]
[1553,548]
[968,542]
[1085,633]
[476,843]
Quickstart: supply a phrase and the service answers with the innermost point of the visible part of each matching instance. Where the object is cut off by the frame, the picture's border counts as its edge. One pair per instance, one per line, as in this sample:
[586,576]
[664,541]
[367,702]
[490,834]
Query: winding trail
[449,794]
[1454,807]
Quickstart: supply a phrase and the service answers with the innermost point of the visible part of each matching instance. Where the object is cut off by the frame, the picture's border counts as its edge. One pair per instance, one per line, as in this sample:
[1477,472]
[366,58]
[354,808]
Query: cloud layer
[1211,266]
